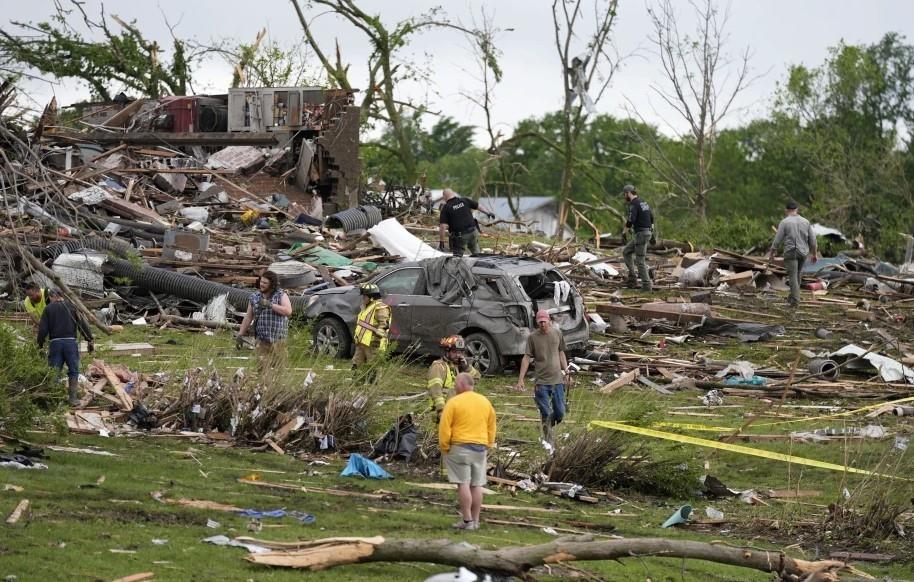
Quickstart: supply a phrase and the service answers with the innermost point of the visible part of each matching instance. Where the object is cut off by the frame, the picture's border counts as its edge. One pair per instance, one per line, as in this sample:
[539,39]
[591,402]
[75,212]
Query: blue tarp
[359,466]
[257,514]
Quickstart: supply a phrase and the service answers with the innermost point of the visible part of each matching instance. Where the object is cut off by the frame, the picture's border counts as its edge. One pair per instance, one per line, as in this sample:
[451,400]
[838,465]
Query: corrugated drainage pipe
[359,218]
[95,243]
[187,286]
[826,368]
[161,280]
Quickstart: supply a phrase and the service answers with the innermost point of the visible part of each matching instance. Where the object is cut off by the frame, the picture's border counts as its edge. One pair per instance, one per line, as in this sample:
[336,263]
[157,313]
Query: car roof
[494,262]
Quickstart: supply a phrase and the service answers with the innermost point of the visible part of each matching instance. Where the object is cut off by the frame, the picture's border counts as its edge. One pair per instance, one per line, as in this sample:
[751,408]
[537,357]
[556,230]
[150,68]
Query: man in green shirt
[546,347]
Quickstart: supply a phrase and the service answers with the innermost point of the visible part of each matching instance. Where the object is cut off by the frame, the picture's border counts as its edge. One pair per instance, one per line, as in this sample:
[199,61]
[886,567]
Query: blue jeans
[64,350]
[550,399]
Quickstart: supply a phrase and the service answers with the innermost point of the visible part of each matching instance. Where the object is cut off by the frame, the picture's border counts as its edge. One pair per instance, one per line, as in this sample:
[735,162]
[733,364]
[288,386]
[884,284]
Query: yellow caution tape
[740,449]
[693,426]
[838,414]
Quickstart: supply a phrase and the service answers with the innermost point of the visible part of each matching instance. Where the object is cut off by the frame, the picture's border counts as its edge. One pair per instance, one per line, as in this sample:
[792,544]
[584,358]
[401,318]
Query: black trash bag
[141,417]
[399,441]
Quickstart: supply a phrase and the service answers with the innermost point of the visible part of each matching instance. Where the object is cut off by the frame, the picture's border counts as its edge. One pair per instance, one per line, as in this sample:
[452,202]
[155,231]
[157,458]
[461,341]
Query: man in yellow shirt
[36,299]
[466,432]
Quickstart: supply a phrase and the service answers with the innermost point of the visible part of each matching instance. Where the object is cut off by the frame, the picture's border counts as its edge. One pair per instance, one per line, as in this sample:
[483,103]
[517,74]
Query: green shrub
[27,390]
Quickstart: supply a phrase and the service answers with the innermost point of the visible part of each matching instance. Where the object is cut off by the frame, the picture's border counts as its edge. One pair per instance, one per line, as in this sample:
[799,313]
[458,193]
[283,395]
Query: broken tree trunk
[516,561]
[73,297]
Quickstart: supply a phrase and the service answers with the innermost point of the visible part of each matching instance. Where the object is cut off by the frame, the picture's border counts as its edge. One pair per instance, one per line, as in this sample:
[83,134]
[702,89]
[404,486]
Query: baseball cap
[54,292]
[542,315]
[628,188]
[791,205]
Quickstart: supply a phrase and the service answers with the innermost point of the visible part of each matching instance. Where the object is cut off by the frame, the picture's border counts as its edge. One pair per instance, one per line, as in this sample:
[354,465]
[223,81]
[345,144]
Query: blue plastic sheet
[299,515]
[359,466]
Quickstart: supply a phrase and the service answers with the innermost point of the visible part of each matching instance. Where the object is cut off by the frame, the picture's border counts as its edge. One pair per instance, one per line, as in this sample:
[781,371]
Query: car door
[399,290]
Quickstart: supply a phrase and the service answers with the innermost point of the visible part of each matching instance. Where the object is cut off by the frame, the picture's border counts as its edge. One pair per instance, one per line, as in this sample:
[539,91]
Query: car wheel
[483,353]
[331,337]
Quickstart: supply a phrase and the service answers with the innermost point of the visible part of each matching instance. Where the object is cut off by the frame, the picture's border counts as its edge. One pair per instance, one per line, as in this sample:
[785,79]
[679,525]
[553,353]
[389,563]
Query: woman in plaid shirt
[268,313]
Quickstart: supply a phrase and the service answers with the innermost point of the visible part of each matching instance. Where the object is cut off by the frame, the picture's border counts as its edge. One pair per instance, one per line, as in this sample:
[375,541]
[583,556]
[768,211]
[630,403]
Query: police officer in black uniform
[640,220]
[457,220]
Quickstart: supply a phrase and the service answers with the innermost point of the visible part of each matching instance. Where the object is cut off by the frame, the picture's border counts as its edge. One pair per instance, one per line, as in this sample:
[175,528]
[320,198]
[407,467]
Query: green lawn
[79,531]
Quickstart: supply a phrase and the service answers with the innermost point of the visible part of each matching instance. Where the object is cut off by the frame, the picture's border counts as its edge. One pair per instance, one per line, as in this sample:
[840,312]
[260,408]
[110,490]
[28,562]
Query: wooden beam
[215,138]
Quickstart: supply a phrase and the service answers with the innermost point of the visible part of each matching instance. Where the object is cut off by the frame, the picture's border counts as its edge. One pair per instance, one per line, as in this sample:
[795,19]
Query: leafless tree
[586,74]
[386,67]
[699,87]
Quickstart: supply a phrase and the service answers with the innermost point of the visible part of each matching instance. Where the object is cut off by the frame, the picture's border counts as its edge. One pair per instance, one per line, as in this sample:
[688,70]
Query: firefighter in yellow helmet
[371,328]
[443,372]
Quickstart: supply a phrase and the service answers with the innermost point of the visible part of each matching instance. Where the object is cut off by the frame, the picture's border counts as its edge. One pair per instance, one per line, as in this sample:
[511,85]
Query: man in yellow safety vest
[371,328]
[443,372]
[36,299]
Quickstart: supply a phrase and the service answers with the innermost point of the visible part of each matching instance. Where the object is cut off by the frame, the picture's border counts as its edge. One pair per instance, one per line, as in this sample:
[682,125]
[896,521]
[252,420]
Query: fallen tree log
[516,561]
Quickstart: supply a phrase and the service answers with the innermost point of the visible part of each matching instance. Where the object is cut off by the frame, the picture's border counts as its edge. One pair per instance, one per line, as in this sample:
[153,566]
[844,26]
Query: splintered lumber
[303,489]
[125,400]
[517,561]
[264,138]
[644,314]
[792,493]
[623,380]
[861,557]
[17,513]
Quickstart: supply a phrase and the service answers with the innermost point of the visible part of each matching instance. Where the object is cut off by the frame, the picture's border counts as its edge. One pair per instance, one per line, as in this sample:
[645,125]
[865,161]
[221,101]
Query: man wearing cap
[641,221]
[60,322]
[546,347]
[796,234]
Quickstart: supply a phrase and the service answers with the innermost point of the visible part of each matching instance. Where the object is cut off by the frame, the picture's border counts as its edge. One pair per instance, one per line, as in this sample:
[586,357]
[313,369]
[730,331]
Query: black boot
[73,391]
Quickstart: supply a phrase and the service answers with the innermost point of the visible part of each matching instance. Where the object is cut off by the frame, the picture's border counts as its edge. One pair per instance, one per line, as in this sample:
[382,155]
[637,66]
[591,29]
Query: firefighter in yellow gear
[442,374]
[372,326]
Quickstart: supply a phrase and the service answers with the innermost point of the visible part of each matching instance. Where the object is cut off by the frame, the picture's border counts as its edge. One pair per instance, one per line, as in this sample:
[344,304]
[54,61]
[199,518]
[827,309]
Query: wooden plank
[274,446]
[125,401]
[861,557]
[157,138]
[17,513]
[792,493]
[644,314]
[141,577]
[623,380]
[120,118]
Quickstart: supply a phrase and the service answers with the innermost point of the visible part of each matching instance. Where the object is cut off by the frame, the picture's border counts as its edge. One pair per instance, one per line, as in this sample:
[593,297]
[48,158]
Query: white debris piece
[890,370]
[393,238]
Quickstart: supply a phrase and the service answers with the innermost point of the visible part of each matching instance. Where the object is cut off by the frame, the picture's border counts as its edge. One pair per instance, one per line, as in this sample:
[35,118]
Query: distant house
[540,212]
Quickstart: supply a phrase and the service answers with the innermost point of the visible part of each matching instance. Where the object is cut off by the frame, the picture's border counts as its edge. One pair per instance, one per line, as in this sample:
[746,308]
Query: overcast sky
[778,32]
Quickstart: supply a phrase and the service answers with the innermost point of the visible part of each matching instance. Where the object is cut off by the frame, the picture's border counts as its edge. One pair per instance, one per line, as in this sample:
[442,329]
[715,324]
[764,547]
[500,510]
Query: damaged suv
[490,300]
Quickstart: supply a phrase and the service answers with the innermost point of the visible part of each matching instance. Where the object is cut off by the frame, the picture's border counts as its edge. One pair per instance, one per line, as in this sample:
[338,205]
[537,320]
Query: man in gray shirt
[799,241]
[546,347]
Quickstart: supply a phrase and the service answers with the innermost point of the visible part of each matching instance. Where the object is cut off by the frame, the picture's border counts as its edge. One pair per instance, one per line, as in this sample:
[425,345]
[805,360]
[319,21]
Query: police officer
[641,221]
[443,371]
[371,328]
[457,220]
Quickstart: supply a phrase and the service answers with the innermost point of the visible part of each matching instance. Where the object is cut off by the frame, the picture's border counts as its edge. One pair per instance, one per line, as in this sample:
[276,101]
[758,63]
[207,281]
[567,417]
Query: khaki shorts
[466,466]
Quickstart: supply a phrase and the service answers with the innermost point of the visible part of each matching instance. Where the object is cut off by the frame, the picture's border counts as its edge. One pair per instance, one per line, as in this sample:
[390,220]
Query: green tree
[118,60]
[855,116]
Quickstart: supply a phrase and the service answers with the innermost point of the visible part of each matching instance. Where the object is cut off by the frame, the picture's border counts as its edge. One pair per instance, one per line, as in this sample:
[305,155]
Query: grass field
[79,529]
